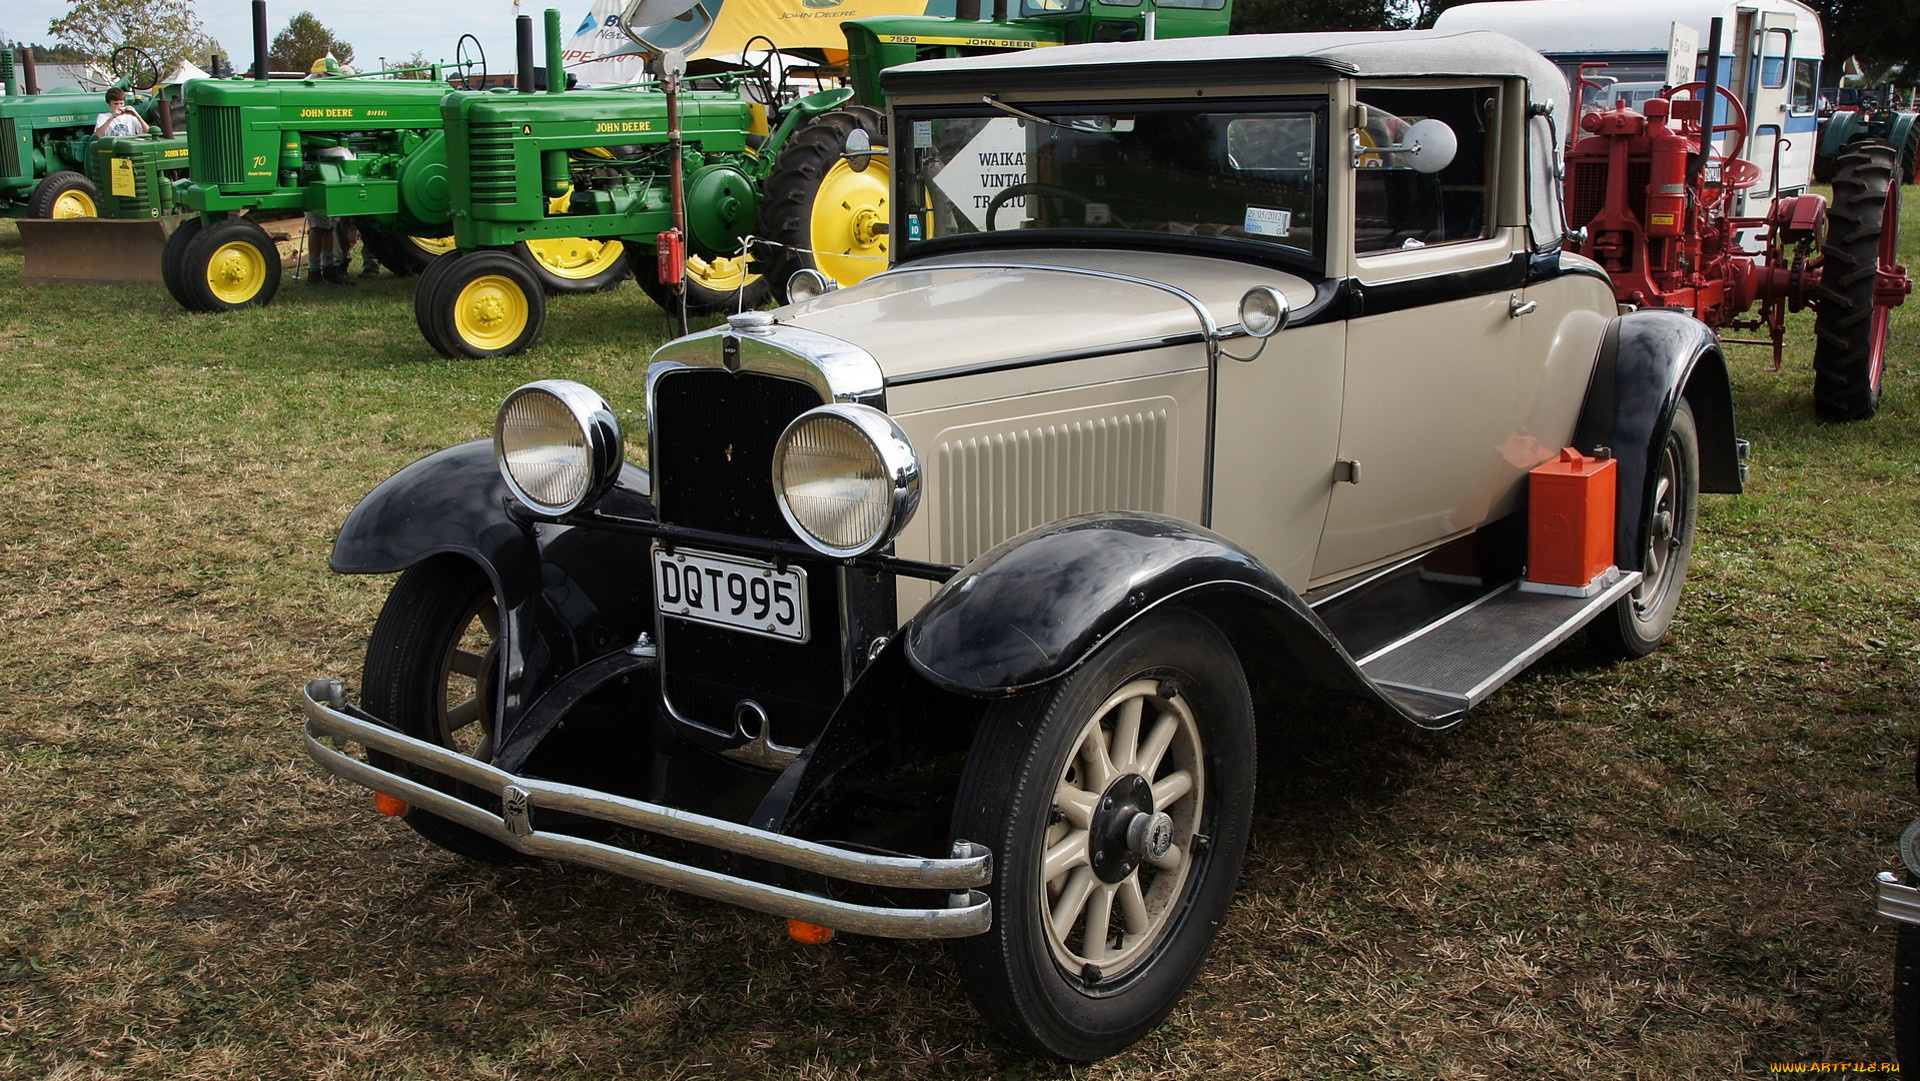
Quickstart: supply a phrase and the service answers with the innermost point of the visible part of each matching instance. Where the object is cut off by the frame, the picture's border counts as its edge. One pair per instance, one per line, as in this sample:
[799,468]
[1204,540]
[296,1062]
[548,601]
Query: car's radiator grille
[219,155]
[713,441]
[490,162]
[993,484]
[9,148]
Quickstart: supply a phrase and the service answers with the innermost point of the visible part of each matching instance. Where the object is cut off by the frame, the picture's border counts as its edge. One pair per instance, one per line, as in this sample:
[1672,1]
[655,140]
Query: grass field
[1652,870]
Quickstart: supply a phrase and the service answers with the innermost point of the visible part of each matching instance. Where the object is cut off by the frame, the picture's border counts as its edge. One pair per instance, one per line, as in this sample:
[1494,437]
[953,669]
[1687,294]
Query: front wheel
[1638,622]
[482,304]
[229,265]
[64,194]
[173,259]
[431,669]
[1116,803]
[1849,325]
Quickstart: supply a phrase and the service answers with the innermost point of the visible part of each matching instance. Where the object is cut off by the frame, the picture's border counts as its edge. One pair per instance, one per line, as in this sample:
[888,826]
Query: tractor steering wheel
[1737,128]
[462,61]
[133,69]
[1032,187]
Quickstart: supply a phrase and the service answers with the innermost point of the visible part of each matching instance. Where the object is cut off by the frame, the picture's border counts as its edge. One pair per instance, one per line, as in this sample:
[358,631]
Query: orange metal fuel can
[1570,519]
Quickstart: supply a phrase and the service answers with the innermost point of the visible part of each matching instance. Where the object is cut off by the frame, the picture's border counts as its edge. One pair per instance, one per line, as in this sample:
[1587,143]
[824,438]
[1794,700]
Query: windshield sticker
[1265,221]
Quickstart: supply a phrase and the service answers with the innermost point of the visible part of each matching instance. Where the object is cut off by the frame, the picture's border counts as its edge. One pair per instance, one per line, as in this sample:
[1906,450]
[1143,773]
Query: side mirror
[1428,147]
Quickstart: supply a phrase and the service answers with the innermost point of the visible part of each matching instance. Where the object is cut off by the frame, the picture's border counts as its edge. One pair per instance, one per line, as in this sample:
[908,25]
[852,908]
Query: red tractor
[1648,192]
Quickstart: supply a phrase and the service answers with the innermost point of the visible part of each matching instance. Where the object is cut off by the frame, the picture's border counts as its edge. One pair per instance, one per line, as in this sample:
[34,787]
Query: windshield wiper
[1036,118]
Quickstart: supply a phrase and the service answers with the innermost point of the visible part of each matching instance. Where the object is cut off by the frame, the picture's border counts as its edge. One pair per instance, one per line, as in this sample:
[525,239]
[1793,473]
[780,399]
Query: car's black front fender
[1649,361]
[1031,609]
[566,594]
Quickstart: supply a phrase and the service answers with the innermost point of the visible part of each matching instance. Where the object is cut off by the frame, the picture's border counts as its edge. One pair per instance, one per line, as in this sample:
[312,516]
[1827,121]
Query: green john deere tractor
[370,149]
[601,164]
[45,137]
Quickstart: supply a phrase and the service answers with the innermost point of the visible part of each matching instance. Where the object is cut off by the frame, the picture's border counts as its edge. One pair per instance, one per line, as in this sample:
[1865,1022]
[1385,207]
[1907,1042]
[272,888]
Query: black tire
[173,259]
[1638,622]
[1850,332]
[1910,154]
[481,304]
[824,214]
[1055,991]
[66,194]
[231,264]
[575,264]
[423,300]
[396,252]
[1906,992]
[430,671]
[712,286]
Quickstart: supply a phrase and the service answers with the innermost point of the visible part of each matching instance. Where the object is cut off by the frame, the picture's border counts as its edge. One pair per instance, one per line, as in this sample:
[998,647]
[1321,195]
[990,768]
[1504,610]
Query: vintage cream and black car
[948,604]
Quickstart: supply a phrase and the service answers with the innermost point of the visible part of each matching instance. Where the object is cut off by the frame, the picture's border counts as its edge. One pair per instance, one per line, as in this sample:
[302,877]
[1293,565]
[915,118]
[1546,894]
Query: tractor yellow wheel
[230,264]
[575,264]
[484,304]
[715,283]
[64,195]
[75,204]
[849,221]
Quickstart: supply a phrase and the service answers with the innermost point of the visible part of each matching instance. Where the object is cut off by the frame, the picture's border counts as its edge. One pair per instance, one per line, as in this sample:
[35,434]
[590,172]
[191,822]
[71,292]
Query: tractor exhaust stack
[260,40]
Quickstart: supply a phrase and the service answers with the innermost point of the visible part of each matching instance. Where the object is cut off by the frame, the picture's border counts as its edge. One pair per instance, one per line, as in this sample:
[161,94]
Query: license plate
[733,592]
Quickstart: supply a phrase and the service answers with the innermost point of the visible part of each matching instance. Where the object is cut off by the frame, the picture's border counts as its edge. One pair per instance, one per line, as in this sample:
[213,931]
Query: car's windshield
[1245,171]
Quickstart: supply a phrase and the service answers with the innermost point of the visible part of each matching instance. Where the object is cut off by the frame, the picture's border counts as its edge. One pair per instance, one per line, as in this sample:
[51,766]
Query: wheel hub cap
[1123,827]
[489,312]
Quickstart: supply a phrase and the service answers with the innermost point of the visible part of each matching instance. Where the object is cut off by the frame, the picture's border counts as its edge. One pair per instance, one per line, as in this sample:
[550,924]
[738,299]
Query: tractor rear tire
[1910,154]
[714,286]
[826,215]
[481,304]
[1863,226]
[231,264]
[173,259]
[397,252]
[64,195]
[568,265]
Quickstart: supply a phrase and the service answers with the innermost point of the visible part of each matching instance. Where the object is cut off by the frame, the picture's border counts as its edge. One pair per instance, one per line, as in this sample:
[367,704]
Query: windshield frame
[908,243]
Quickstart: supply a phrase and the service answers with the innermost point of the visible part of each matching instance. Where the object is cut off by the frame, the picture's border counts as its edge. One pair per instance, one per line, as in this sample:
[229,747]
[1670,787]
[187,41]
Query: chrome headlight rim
[807,284]
[601,444]
[1264,312]
[891,449]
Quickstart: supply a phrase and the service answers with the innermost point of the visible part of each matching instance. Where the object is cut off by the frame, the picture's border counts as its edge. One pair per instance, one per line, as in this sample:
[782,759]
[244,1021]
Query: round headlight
[558,445]
[1263,311]
[846,478]
[807,283]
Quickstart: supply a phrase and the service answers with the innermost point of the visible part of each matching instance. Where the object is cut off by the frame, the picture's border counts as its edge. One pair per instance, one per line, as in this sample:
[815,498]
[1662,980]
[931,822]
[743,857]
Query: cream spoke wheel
[1125,832]
[1116,801]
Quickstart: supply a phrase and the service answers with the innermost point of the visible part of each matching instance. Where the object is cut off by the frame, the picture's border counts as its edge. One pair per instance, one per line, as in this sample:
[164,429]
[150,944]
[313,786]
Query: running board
[1454,662]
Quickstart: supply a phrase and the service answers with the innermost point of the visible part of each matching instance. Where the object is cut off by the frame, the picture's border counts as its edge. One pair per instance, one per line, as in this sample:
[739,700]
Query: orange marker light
[810,933]
[389,805]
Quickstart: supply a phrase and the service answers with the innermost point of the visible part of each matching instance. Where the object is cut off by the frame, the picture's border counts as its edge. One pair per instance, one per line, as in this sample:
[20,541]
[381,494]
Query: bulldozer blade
[68,250]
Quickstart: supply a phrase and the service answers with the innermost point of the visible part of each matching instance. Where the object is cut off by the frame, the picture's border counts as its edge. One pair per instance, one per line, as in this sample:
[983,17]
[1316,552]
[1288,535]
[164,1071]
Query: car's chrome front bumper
[1894,900]
[967,911]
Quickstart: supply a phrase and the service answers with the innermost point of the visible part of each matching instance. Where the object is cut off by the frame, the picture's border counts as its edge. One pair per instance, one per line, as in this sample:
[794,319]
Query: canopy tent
[601,53]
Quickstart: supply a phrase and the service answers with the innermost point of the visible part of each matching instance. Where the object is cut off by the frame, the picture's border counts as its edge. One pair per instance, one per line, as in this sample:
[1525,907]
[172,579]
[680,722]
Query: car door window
[1398,207]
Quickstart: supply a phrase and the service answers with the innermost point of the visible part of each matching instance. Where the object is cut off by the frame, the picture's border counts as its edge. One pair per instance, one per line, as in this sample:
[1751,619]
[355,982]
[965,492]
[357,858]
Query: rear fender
[1650,360]
[567,595]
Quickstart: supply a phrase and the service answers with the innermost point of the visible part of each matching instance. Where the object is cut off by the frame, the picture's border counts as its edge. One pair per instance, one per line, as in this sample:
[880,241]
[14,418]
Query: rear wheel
[401,253]
[1116,803]
[64,194]
[231,264]
[574,264]
[431,671]
[1639,621]
[173,259]
[723,283]
[1850,329]
[483,304]
[825,214]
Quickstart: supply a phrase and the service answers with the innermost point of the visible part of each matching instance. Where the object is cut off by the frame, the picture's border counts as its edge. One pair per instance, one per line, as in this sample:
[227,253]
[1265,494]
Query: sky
[395,29]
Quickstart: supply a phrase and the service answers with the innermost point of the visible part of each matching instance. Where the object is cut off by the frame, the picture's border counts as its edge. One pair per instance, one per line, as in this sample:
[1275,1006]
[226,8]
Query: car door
[1445,354]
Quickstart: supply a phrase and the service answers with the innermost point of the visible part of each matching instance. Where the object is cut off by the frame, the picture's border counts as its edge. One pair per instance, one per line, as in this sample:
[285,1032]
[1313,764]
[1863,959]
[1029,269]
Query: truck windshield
[1252,172]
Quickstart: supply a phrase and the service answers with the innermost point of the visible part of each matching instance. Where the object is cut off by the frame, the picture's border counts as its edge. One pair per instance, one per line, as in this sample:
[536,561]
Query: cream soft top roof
[1135,63]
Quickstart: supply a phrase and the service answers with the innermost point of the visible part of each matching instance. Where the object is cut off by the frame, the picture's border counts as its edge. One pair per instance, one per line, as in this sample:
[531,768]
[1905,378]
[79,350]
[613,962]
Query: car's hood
[964,311]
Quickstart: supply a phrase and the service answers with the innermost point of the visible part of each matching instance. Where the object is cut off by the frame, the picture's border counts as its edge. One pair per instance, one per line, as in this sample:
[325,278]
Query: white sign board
[994,160]
[1683,52]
